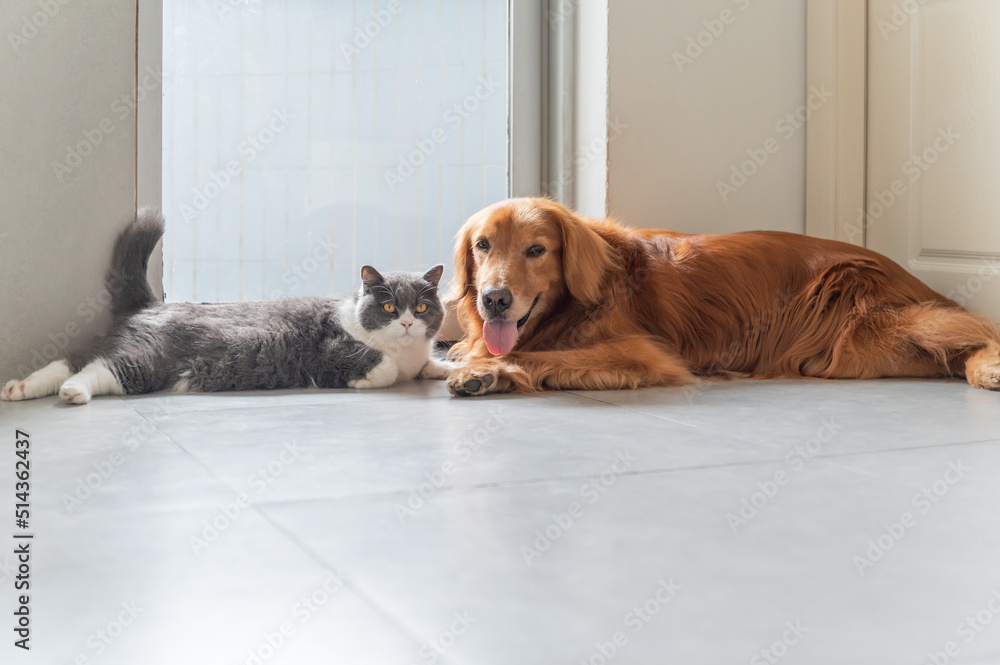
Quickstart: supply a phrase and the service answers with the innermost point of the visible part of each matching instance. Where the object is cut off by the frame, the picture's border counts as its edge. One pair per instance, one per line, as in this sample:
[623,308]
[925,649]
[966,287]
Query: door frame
[149,122]
[836,140]
[525,63]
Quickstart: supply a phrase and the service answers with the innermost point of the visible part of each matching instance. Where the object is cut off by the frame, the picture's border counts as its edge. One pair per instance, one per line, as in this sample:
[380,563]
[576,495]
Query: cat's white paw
[40,383]
[13,391]
[381,376]
[74,391]
[437,369]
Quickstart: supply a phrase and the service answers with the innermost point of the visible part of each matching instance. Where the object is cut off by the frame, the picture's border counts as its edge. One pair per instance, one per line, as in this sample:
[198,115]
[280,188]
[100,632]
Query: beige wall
[673,135]
[683,131]
[68,80]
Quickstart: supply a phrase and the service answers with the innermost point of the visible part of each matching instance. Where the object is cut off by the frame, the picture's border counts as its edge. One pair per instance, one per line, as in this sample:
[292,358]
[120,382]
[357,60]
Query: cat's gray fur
[290,343]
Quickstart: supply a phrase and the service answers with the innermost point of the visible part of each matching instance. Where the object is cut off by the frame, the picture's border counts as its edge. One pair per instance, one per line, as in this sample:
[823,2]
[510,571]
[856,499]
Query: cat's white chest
[408,358]
[412,359]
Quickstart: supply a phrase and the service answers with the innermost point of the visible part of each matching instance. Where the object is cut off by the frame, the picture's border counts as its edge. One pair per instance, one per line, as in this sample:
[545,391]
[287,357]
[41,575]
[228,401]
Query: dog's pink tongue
[500,336]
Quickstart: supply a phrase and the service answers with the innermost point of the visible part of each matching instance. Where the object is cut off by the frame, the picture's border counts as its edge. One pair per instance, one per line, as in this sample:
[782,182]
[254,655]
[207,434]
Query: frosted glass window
[303,139]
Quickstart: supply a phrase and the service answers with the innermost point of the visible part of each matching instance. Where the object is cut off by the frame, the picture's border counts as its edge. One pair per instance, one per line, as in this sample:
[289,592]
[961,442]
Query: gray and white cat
[382,335]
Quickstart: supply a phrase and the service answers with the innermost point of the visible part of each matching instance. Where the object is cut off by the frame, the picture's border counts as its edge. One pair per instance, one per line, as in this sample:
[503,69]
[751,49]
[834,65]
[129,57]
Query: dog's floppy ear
[464,264]
[586,258]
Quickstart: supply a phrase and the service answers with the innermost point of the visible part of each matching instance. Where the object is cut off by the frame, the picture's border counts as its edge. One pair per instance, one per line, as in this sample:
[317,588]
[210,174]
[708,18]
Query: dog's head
[516,259]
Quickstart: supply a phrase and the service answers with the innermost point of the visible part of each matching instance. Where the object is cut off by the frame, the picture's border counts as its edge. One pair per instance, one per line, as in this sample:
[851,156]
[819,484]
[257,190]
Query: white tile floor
[566,528]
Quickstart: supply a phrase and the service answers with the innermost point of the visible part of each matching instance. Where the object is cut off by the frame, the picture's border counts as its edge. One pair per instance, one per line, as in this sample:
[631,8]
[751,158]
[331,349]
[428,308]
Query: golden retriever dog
[551,300]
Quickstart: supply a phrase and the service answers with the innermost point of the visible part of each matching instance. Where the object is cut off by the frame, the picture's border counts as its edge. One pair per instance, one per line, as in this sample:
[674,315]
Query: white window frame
[525,60]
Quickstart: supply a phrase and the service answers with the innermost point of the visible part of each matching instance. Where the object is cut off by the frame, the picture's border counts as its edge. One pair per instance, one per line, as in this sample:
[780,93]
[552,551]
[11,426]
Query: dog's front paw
[982,370]
[474,380]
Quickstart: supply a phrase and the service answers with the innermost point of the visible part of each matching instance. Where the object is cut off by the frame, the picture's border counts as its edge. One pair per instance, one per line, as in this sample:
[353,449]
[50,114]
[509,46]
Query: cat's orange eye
[389,307]
[421,308]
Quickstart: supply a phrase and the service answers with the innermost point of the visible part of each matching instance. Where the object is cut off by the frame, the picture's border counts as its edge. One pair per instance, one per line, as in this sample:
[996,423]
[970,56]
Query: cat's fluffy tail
[126,280]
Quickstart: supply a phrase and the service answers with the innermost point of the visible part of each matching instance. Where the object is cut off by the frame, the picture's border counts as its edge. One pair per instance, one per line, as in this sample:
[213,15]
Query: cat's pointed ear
[371,277]
[434,274]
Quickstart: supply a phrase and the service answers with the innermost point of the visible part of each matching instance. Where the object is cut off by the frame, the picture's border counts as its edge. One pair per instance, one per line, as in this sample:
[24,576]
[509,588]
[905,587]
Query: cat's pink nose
[407,325]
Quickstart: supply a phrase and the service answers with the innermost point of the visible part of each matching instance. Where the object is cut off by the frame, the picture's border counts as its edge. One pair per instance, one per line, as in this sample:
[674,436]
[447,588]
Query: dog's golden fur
[624,308]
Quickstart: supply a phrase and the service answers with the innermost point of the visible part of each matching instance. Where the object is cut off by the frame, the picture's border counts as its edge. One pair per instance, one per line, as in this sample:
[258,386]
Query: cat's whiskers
[368,347]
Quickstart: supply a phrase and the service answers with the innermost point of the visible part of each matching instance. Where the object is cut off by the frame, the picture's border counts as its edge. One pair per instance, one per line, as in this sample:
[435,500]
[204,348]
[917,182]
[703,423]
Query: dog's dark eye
[535,251]
[483,245]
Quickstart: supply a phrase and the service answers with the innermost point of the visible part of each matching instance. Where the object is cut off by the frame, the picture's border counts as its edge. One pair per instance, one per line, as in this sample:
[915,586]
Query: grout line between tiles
[829,462]
[388,396]
[535,481]
[348,582]
[256,506]
[716,433]
[653,415]
[503,484]
[531,481]
[255,407]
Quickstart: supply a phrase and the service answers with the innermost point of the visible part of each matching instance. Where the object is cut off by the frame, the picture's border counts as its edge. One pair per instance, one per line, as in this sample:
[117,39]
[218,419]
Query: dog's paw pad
[985,374]
[471,383]
[986,381]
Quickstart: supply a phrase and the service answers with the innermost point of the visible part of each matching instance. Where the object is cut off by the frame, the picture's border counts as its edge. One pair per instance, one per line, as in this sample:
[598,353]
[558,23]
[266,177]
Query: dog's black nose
[497,301]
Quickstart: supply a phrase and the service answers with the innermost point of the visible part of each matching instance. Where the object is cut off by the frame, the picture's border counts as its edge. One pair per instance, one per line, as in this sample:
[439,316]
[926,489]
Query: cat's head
[400,307]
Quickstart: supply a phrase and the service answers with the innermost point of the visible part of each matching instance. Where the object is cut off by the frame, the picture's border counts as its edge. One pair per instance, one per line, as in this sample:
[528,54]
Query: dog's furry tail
[126,279]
